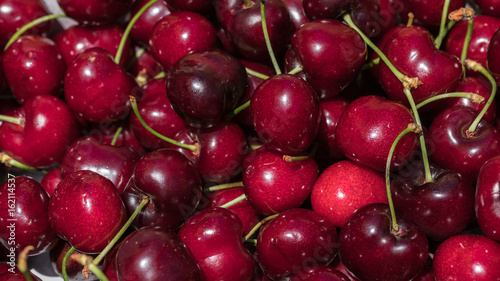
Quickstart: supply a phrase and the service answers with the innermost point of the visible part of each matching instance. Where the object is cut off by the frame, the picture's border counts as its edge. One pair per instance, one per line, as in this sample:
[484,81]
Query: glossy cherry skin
[33,66]
[154,254]
[452,148]
[86,204]
[9,272]
[371,250]
[73,268]
[345,187]
[115,163]
[319,273]
[329,40]
[285,113]
[78,38]
[297,14]
[203,7]
[51,179]
[143,27]
[171,182]
[213,237]
[179,34]
[487,198]
[95,12]
[428,12]
[105,133]
[145,67]
[24,212]
[491,8]
[49,124]
[442,208]
[367,129]
[204,86]
[154,107]
[483,29]
[98,89]
[467,257]
[273,185]
[412,51]
[493,56]
[294,240]
[14,14]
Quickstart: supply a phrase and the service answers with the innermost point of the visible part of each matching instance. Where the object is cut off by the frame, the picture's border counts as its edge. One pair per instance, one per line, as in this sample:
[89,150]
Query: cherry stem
[256,74]
[371,64]
[255,147]
[266,37]
[13,120]
[11,162]
[192,147]
[251,241]
[442,28]
[257,226]
[223,186]
[22,262]
[238,110]
[399,75]
[478,67]
[423,148]
[86,261]
[140,51]
[411,17]
[30,25]
[291,159]
[120,233]
[411,128]
[248,3]
[117,134]
[160,75]
[64,262]
[124,39]
[234,201]
[296,70]
[468,36]
[471,96]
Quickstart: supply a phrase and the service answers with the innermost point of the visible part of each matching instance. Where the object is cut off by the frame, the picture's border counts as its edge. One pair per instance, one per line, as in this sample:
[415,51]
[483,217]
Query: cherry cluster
[160,140]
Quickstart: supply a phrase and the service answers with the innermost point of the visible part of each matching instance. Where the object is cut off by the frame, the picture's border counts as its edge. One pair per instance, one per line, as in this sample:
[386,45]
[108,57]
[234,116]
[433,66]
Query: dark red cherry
[145,67]
[319,273]
[203,7]
[51,179]
[73,268]
[489,7]
[427,13]
[143,27]
[487,198]
[95,12]
[33,66]
[493,55]
[297,14]
[105,133]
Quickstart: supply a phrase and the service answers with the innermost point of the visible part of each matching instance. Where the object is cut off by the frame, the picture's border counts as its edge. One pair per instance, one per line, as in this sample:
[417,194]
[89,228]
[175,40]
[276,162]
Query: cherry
[73,268]
[273,185]
[294,240]
[345,187]
[95,12]
[86,210]
[285,113]
[203,7]
[372,250]
[487,198]
[144,68]
[154,254]
[331,41]
[319,273]
[173,184]
[24,212]
[106,133]
[427,13]
[51,179]
[490,8]
[48,124]
[467,257]
[297,14]
[143,28]
[493,55]
[213,237]
[33,66]
[178,34]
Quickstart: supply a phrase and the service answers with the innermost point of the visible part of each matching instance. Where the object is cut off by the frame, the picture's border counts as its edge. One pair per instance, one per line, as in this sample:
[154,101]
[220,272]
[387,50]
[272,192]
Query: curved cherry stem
[258,225]
[86,261]
[411,128]
[468,35]
[64,262]
[371,64]
[296,70]
[11,162]
[13,120]
[124,39]
[256,74]
[266,37]
[120,233]
[192,147]
[475,98]
[478,67]
[223,186]
[238,110]
[234,201]
[442,27]
[22,262]
[117,134]
[30,25]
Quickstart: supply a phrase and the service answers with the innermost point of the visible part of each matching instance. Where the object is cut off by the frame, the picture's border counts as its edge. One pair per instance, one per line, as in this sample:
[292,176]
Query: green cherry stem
[160,75]
[251,242]
[120,233]
[442,27]
[371,64]
[64,262]
[266,37]
[117,134]
[311,154]
[223,186]
[238,110]
[468,36]
[86,261]
[471,96]
[194,148]
[13,120]
[123,41]
[478,67]
[256,74]
[30,25]
[296,70]
[234,201]
[411,128]
[22,262]
[248,3]
[11,162]
[258,225]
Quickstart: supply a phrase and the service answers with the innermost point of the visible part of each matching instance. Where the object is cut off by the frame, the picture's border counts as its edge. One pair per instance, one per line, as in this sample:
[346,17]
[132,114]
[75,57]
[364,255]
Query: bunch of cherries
[168,144]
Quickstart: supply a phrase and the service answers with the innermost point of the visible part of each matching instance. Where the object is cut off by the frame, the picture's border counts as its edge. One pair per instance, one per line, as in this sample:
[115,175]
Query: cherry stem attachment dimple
[266,37]
[256,74]
[124,39]
[30,25]
[223,186]
[475,98]
[22,262]
[296,70]
[478,67]
[258,225]
[192,147]
[86,261]
[411,128]
[64,262]
[442,27]
[234,201]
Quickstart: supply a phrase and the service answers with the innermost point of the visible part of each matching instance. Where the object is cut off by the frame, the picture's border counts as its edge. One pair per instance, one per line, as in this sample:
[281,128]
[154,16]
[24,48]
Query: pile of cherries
[169,145]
